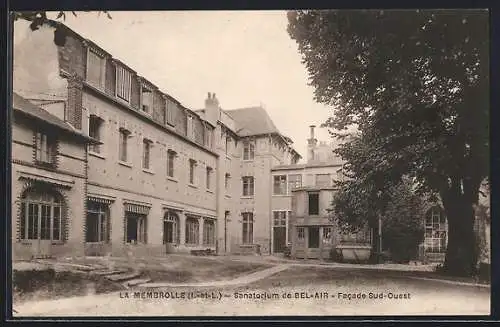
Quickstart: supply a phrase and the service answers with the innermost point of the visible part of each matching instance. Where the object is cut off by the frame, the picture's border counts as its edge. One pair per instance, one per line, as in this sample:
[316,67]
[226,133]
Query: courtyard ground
[249,286]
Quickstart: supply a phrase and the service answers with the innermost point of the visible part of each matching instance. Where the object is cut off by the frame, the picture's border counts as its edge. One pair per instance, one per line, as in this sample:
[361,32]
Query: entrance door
[313,242]
[45,239]
[168,231]
[279,239]
[41,219]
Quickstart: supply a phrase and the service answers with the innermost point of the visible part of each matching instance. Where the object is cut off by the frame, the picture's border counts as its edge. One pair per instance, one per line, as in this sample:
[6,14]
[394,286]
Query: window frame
[192,230]
[247,227]
[281,183]
[192,172]
[122,76]
[316,213]
[294,184]
[209,232]
[102,69]
[171,156]
[123,145]
[96,122]
[248,150]
[35,198]
[248,186]
[147,146]
[208,177]
[45,149]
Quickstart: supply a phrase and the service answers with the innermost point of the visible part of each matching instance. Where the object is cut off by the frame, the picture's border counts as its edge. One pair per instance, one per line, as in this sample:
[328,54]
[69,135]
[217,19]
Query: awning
[99,199]
[142,209]
[54,180]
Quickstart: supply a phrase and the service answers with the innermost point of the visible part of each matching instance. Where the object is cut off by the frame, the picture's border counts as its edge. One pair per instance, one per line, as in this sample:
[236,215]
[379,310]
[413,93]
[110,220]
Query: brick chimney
[311,144]
[212,108]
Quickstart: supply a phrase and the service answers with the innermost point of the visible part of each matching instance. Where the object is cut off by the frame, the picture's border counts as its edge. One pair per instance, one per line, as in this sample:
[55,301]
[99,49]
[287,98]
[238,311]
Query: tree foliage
[416,85]
[40,18]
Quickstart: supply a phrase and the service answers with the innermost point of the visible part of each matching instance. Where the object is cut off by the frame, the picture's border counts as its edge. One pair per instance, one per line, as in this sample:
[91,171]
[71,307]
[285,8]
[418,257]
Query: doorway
[279,239]
[41,220]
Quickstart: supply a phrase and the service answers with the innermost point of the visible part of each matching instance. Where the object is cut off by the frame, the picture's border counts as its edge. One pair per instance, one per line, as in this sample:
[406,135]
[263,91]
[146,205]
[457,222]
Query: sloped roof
[24,106]
[252,121]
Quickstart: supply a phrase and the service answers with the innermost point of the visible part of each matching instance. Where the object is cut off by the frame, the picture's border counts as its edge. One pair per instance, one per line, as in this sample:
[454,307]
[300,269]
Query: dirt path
[245,279]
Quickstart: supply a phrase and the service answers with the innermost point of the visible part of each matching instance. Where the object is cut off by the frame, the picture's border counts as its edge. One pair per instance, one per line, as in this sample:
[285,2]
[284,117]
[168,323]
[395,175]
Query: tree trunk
[461,254]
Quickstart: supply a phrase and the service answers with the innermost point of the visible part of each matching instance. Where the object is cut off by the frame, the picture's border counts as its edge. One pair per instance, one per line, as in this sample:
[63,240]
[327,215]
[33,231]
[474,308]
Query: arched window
[170,228]
[435,230]
[41,215]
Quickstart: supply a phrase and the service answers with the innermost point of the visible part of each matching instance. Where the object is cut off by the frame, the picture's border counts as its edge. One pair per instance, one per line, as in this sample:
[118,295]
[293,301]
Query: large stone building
[157,177]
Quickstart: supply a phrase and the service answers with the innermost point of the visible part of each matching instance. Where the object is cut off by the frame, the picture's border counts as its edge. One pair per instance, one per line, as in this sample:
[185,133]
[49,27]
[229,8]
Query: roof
[252,121]
[24,106]
[331,163]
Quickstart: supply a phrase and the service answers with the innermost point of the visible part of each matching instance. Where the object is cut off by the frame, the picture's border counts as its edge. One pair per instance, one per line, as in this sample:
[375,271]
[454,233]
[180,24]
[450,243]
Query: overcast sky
[246,57]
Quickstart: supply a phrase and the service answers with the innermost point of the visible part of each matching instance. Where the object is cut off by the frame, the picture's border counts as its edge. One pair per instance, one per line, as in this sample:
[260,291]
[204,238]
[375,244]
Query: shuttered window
[123,83]
[95,69]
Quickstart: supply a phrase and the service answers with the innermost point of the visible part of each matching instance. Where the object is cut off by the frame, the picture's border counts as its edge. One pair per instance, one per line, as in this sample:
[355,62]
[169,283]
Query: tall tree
[416,85]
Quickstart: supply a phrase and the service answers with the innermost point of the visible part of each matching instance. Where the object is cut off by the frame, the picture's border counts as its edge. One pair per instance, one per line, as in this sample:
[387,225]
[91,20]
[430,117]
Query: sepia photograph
[218,163]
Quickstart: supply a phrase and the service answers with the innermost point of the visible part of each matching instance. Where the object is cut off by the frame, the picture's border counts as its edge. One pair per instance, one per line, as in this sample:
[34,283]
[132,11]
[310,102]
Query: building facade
[49,181]
[159,177]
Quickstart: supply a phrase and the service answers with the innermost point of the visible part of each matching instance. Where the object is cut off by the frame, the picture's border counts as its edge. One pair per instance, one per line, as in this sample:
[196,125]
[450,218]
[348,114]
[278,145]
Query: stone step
[123,277]
[137,281]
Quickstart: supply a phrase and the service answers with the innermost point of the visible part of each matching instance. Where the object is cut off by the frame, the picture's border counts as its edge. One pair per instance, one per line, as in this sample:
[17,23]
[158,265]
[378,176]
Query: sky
[246,57]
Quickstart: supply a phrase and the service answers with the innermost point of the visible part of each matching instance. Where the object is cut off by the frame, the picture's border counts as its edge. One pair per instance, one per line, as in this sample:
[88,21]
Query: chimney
[212,109]
[311,145]
[312,130]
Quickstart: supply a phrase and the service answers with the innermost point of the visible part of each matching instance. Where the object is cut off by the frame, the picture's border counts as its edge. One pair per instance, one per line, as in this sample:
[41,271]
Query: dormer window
[146,100]
[123,83]
[96,65]
[190,126]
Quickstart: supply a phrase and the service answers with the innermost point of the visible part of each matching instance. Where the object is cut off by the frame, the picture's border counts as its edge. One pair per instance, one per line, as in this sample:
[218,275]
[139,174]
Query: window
[208,137]
[45,148]
[227,180]
[301,235]
[327,235]
[96,65]
[209,175]
[123,144]
[192,230]
[97,224]
[323,180]
[170,162]
[192,168]
[136,228]
[248,185]
[209,232]
[248,150]
[146,100]
[170,107]
[279,218]
[123,83]
[41,215]
[294,181]
[190,127]
[95,126]
[435,230]
[313,204]
[247,228]
[170,228]
[146,153]
[279,185]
